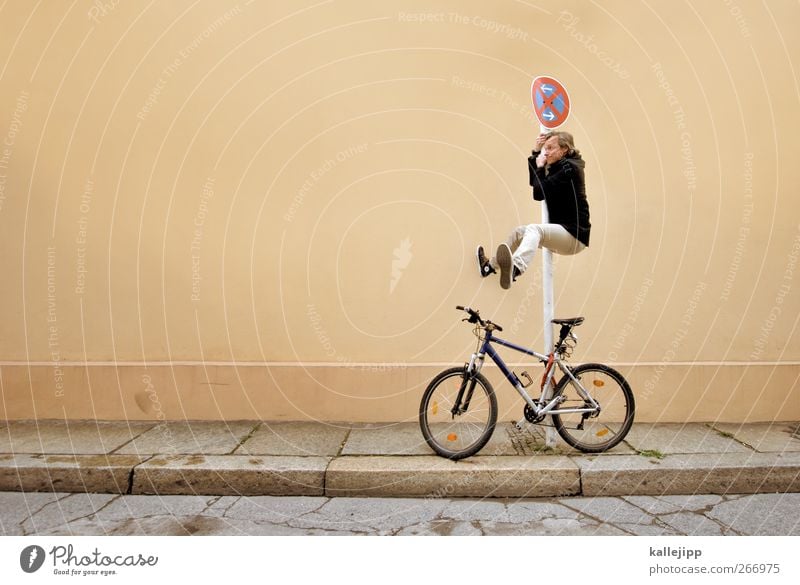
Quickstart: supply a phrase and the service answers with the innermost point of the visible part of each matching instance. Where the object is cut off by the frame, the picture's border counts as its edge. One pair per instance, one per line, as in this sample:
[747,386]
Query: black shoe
[484,264]
[517,272]
[506,265]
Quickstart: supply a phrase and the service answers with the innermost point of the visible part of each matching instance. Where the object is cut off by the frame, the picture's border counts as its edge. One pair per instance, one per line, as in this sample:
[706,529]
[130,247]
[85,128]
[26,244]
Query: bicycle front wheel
[458,413]
[605,427]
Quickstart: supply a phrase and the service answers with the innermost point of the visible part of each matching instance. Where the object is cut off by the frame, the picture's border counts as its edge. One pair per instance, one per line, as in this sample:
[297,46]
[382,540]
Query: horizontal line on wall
[159,364]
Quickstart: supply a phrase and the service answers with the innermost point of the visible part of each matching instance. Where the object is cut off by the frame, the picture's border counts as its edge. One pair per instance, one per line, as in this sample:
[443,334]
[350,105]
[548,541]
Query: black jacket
[563,186]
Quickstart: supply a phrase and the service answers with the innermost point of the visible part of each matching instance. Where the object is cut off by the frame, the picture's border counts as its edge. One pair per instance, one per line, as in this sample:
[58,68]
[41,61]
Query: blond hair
[565,140]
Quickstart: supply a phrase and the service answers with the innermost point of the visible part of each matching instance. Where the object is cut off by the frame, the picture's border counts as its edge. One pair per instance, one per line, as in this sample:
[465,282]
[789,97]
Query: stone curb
[431,476]
[404,476]
[110,474]
[726,473]
[223,475]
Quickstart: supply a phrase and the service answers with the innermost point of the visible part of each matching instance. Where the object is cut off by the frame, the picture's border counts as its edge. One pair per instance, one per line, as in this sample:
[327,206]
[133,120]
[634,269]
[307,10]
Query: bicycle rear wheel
[600,430]
[458,413]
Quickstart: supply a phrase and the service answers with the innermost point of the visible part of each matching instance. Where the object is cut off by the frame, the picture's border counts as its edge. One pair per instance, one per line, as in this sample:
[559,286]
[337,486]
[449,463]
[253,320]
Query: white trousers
[524,241]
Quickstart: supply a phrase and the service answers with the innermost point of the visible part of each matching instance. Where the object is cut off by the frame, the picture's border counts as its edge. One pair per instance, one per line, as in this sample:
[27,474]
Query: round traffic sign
[550,101]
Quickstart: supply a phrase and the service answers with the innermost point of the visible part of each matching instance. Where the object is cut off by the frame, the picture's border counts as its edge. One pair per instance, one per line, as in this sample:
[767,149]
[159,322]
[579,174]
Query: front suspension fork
[467,387]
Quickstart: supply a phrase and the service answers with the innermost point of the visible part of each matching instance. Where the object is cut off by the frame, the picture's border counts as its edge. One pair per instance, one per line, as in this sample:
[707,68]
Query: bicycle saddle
[573,322]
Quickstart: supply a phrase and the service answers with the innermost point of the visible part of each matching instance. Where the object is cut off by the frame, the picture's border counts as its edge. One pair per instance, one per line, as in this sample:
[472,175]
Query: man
[556,175]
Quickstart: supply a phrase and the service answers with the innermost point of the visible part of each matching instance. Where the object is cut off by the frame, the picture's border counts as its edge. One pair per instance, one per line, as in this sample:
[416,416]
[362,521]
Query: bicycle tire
[447,434]
[613,393]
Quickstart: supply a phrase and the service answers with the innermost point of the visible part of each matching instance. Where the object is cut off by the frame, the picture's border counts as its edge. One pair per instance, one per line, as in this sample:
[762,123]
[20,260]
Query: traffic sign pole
[551,105]
[548,314]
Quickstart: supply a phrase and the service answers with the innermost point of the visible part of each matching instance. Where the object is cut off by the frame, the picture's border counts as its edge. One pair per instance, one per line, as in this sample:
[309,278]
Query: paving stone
[765,437]
[231,475]
[525,512]
[67,473]
[73,437]
[470,510]
[103,514]
[374,515]
[681,438]
[692,524]
[671,504]
[196,438]
[65,510]
[551,527]
[123,508]
[433,477]
[273,509]
[218,506]
[731,473]
[16,508]
[407,439]
[609,510]
[507,439]
[442,528]
[653,529]
[761,514]
[300,439]
[387,439]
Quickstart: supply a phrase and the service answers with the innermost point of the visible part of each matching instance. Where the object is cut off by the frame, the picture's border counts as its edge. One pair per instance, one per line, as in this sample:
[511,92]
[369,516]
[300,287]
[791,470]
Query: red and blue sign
[550,102]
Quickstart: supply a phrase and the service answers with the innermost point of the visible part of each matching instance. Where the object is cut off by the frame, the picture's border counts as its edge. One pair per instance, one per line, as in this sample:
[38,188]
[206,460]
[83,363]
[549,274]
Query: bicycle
[457,421]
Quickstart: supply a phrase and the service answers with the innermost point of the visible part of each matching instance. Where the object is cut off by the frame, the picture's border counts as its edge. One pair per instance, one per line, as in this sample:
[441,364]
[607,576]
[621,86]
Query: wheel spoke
[464,434]
[606,428]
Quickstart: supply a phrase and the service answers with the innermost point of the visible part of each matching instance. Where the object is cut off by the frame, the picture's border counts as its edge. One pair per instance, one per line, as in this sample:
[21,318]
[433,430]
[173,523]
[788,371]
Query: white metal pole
[547,313]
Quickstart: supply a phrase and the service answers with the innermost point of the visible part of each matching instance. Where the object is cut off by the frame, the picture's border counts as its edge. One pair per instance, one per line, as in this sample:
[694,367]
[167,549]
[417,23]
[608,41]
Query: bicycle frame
[539,407]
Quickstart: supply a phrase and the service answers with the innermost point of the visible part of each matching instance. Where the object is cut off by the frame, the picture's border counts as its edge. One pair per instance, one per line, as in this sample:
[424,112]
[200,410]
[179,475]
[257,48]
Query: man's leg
[555,237]
[504,259]
[513,241]
[529,242]
[552,236]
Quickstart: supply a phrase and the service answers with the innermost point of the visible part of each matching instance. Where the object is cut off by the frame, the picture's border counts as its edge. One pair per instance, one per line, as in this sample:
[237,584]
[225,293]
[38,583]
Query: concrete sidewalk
[329,459]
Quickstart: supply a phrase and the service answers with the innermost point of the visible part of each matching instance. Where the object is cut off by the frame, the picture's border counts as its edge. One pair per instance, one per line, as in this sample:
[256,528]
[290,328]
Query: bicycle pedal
[519,425]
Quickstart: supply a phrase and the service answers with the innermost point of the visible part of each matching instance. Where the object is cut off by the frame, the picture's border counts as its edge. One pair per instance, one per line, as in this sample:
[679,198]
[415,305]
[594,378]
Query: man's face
[552,151]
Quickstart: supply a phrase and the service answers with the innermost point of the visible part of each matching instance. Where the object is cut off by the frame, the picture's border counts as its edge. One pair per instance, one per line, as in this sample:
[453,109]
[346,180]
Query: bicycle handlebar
[475,317]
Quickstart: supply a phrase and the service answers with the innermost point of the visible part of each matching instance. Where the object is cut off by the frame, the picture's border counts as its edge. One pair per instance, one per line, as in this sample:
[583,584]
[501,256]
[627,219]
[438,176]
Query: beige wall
[269,210]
